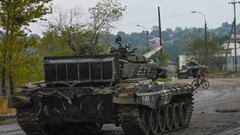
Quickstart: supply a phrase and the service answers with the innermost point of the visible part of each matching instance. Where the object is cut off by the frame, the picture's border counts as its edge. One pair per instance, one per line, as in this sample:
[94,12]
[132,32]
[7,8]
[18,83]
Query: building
[184,59]
[154,42]
[230,61]
[230,46]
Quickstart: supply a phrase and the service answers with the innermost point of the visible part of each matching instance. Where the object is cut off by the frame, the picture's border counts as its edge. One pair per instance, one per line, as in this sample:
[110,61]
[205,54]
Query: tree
[15,17]
[103,15]
[53,44]
[66,34]
[83,39]
[195,48]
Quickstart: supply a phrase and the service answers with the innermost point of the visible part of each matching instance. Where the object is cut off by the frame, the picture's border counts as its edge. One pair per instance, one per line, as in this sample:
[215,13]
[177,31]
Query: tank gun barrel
[154,51]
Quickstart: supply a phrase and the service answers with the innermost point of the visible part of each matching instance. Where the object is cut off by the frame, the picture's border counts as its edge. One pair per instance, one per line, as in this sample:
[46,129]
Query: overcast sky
[174,13]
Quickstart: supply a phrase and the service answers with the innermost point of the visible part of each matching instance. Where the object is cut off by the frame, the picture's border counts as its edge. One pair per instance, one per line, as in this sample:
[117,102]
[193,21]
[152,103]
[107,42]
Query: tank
[191,69]
[82,93]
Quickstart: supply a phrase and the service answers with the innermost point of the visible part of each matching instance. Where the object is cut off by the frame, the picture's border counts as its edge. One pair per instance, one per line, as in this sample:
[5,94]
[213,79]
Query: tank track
[28,122]
[130,118]
[31,126]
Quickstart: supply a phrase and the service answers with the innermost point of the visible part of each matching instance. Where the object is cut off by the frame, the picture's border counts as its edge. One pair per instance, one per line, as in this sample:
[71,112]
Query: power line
[181,14]
[234,3]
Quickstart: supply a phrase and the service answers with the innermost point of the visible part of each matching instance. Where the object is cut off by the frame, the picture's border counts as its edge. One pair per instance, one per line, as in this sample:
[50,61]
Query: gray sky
[174,13]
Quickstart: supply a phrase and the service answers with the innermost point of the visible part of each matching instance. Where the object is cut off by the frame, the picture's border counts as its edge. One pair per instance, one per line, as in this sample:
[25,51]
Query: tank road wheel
[176,116]
[189,108]
[169,114]
[182,110]
[145,118]
[154,121]
[162,119]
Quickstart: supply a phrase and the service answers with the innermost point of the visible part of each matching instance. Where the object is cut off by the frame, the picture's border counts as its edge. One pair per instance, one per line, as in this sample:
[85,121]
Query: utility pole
[206,35]
[206,43]
[227,50]
[160,33]
[160,26]
[234,3]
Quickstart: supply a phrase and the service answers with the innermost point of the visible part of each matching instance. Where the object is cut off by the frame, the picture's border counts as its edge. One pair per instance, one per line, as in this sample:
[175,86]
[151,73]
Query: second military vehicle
[82,93]
[191,69]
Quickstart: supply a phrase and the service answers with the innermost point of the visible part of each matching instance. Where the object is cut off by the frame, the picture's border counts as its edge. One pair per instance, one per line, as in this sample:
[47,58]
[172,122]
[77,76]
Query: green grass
[167,79]
[222,74]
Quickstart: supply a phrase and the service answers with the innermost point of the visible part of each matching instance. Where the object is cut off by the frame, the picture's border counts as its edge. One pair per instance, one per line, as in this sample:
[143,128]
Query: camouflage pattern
[82,93]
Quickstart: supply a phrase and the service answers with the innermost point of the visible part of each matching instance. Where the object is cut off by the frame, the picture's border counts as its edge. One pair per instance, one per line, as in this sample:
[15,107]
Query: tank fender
[143,93]
[152,95]
[153,99]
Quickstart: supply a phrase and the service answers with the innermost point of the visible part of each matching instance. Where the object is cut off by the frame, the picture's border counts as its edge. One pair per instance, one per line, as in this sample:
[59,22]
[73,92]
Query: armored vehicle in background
[191,69]
[82,93]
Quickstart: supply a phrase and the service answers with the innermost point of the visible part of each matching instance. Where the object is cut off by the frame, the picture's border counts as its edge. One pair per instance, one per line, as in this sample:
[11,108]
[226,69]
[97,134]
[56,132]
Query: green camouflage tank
[82,93]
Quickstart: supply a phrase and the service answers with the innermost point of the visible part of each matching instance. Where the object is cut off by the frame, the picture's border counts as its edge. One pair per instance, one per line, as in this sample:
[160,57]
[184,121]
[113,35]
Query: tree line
[186,41]
[21,55]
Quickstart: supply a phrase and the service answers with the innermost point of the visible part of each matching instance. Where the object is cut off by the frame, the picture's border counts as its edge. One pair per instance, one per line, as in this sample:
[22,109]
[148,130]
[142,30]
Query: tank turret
[135,66]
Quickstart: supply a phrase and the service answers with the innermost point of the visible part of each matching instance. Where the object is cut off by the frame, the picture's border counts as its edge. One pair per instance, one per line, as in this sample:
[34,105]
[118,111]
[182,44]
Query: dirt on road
[216,110]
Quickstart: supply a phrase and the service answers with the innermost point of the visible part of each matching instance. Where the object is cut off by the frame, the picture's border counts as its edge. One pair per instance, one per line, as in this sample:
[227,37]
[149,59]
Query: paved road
[12,129]
[205,121]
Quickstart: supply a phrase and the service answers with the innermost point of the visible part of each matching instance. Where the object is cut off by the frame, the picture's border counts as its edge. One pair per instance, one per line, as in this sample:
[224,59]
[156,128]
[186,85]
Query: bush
[4,106]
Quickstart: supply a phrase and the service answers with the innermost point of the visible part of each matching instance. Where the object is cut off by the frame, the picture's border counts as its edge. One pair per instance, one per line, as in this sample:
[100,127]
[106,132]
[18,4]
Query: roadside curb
[4,117]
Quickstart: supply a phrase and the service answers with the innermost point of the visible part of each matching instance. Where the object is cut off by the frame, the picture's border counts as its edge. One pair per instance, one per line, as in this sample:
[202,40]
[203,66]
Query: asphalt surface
[205,120]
